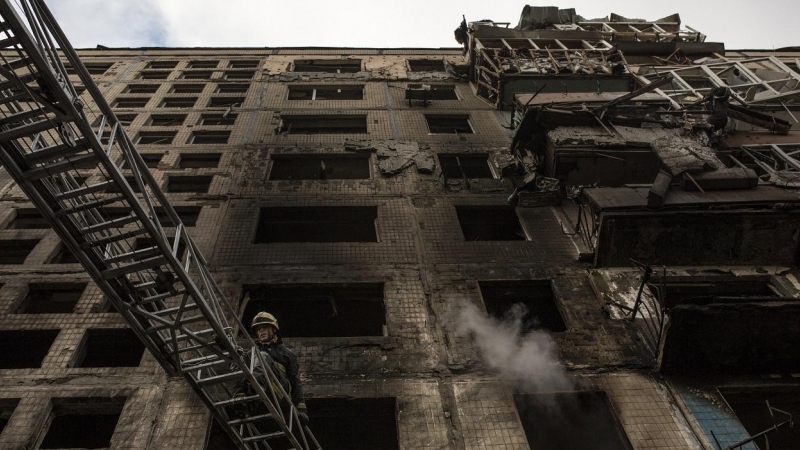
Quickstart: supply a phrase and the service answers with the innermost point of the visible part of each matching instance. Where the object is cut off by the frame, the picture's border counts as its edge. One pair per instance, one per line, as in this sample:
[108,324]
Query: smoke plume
[527,358]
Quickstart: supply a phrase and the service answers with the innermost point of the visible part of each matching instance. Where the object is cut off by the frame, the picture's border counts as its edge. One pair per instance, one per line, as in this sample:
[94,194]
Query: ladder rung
[203,359]
[189,307]
[111,224]
[224,378]
[90,205]
[14,98]
[73,163]
[19,63]
[55,151]
[187,320]
[24,79]
[200,333]
[136,254]
[263,437]
[114,238]
[250,419]
[204,365]
[236,401]
[134,267]
[9,42]
[27,130]
[162,296]
[102,186]
[23,115]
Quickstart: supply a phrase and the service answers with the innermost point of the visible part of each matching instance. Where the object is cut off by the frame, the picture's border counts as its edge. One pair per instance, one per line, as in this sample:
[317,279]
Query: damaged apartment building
[566,234]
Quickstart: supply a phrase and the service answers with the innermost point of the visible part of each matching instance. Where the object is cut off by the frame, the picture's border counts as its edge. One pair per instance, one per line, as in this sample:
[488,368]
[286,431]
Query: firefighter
[281,360]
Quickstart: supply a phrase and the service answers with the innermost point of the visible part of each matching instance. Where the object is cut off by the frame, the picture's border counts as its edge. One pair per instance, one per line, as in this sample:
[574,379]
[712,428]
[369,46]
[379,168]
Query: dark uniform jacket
[287,369]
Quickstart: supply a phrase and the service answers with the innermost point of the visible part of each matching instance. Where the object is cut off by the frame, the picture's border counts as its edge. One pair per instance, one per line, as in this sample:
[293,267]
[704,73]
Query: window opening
[532,302]
[131,102]
[51,298]
[327,65]
[426,65]
[163,120]
[320,167]
[198,75]
[239,75]
[321,310]
[317,224]
[154,75]
[448,124]
[489,223]
[203,64]
[187,214]
[342,92]
[193,184]
[465,165]
[219,119]
[142,88]
[25,349]
[82,422]
[156,137]
[151,160]
[109,347]
[162,64]
[354,423]
[324,124]
[199,160]
[209,137]
[15,251]
[97,68]
[225,102]
[7,406]
[188,88]
[243,64]
[232,88]
[179,102]
[570,420]
[750,407]
[28,219]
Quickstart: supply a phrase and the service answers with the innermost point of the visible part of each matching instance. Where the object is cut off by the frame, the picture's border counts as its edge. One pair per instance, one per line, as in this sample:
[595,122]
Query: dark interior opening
[443,92]
[112,347]
[426,65]
[16,251]
[162,64]
[187,214]
[156,137]
[64,256]
[142,88]
[193,183]
[489,223]
[472,165]
[225,102]
[154,75]
[219,119]
[131,102]
[199,160]
[539,312]
[570,420]
[341,92]
[243,64]
[203,64]
[97,68]
[354,423]
[210,137]
[28,219]
[7,406]
[218,439]
[192,88]
[83,422]
[704,293]
[327,65]
[24,349]
[179,102]
[450,123]
[317,224]
[324,124]
[321,310]
[239,74]
[164,120]
[320,167]
[750,408]
[198,75]
[51,298]
[232,88]
[151,160]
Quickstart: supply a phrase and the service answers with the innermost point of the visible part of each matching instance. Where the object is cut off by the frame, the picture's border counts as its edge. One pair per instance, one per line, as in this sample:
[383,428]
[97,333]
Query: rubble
[395,156]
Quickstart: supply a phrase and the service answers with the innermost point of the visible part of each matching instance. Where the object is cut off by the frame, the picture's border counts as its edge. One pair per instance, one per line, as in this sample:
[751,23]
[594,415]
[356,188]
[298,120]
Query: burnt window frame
[427,63]
[218,119]
[181,178]
[54,288]
[365,157]
[490,215]
[197,160]
[452,116]
[285,128]
[142,88]
[473,156]
[110,339]
[289,217]
[148,137]
[554,301]
[131,102]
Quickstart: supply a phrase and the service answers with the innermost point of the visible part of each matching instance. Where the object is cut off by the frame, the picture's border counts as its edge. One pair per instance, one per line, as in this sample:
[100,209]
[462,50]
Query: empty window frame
[225,102]
[704,292]
[64,256]
[199,160]
[327,65]
[206,137]
[203,64]
[178,102]
[82,422]
[324,124]
[15,251]
[154,74]
[443,92]
[198,75]
[218,119]
[193,184]
[126,119]
[489,223]
[465,165]
[142,88]
[232,88]
[25,349]
[243,63]
[320,167]
[97,68]
[355,423]
[750,407]
[109,347]
[238,74]
[187,88]
[28,219]
[151,160]
[570,420]
[162,64]
[340,92]
[51,298]
[448,123]
[131,102]
[187,214]
[532,303]
[156,137]
[165,120]
[317,224]
[7,407]
[426,65]
[328,310]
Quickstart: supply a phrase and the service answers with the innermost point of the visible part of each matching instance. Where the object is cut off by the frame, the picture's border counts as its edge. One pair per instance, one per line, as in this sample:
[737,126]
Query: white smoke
[528,359]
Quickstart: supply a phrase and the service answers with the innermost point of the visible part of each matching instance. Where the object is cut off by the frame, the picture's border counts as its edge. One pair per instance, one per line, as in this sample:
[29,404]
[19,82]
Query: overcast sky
[739,24]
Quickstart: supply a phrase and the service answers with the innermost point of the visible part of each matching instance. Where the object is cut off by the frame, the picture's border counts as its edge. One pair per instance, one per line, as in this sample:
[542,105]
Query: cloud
[87,23]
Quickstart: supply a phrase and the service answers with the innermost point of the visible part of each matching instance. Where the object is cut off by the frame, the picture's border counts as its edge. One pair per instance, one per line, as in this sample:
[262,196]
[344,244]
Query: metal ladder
[164,290]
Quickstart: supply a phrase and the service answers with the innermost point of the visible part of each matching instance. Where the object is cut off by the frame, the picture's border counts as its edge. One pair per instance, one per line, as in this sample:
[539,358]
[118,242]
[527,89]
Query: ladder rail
[130,286]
